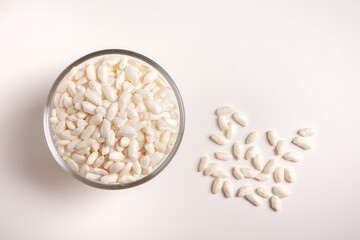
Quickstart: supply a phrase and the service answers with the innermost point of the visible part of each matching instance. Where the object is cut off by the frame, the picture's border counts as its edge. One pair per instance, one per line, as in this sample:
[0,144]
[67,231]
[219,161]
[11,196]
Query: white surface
[286,64]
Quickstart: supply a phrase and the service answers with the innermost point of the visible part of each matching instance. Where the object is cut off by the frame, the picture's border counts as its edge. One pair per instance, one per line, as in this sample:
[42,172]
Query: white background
[286,64]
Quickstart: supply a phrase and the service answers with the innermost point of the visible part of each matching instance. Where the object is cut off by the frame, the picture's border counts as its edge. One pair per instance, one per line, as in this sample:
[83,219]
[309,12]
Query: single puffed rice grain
[217,185]
[228,189]
[237,173]
[279,175]
[270,166]
[290,175]
[223,156]
[258,161]
[302,142]
[263,192]
[244,190]
[224,110]
[249,172]
[306,132]
[240,119]
[218,139]
[238,150]
[253,198]
[292,156]
[281,191]
[275,203]
[281,147]
[251,138]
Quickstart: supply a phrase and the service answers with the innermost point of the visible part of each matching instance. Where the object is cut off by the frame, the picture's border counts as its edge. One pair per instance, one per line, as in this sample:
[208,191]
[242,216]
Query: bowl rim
[50,141]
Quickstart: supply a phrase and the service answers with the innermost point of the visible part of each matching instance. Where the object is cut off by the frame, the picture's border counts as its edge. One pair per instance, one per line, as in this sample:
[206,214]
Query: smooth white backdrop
[286,64]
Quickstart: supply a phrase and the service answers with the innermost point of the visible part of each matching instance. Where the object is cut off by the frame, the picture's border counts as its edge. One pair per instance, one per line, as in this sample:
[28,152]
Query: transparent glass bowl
[49,106]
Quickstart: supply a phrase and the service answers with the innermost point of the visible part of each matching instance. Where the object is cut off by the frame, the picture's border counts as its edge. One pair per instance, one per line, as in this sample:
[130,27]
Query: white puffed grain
[281,191]
[306,132]
[251,152]
[243,190]
[127,179]
[126,169]
[133,149]
[159,146]
[156,158]
[217,185]
[263,192]
[109,179]
[99,171]
[93,97]
[279,175]
[95,120]
[261,177]
[290,175]
[136,167]
[123,63]
[145,161]
[258,161]
[223,156]
[230,131]
[110,93]
[70,125]
[222,122]
[116,156]
[270,166]
[116,167]
[103,72]
[203,163]
[92,176]
[112,111]
[62,142]
[127,131]
[220,173]
[108,164]
[133,114]
[302,142]
[272,137]
[218,139]
[275,203]
[224,110]
[88,131]
[84,151]
[211,168]
[237,173]
[99,161]
[238,150]
[72,164]
[150,77]
[96,87]
[240,119]
[92,157]
[78,158]
[101,111]
[61,150]
[124,100]
[84,169]
[72,145]
[79,74]
[152,106]
[88,107]
[251,138]
[292,156]
[60,126]
[281,147]
[132,73]
[91,72]
[228,189]
[105,128]
[253,198]
[249,172]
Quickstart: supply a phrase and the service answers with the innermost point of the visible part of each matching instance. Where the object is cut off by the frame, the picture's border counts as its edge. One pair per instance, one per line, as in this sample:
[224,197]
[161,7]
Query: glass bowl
[49,105]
